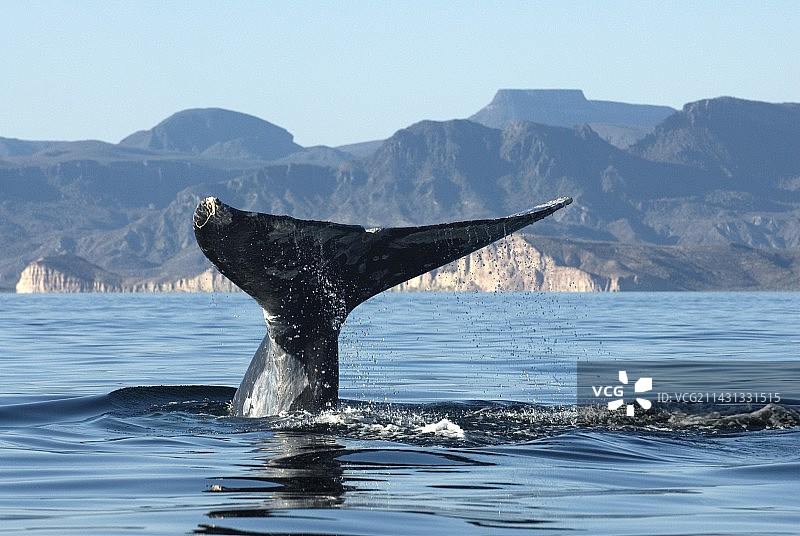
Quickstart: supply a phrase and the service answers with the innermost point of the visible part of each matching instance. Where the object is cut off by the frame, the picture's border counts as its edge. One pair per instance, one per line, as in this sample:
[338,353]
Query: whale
[308,276]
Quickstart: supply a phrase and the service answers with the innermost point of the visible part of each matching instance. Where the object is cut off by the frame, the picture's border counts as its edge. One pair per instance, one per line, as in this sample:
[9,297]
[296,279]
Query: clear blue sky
[340,72]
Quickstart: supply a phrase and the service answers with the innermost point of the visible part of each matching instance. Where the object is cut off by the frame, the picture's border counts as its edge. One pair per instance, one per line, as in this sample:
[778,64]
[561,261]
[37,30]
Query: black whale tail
[308,275]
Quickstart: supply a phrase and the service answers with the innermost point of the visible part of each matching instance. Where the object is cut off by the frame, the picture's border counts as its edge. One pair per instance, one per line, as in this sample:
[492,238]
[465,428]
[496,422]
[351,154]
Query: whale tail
[308,275]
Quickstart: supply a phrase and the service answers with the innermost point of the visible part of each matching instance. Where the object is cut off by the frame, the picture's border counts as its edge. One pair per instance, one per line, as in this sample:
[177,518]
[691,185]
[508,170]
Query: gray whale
[308,275]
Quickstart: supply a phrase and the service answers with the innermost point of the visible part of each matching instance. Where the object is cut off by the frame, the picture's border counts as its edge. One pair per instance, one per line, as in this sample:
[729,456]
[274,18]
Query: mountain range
[721,174]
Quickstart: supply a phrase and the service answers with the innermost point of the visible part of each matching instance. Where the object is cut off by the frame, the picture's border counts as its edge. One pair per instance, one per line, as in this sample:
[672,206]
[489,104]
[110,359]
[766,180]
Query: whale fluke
[308,275]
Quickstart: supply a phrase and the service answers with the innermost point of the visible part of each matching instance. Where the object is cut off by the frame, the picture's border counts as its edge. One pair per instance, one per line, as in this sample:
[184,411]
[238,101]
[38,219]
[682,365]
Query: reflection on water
[301,471]
[589,481]
[291,470]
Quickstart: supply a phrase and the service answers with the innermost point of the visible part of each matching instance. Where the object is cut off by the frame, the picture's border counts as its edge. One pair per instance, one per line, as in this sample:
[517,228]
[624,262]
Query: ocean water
[458,415]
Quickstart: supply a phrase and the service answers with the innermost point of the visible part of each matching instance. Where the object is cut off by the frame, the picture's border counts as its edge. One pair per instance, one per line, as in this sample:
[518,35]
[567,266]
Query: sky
[340,72]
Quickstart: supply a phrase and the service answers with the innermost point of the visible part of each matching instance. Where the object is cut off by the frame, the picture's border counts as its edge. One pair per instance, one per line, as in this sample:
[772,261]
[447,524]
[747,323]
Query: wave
[126,402]
[473,422]
[488,423]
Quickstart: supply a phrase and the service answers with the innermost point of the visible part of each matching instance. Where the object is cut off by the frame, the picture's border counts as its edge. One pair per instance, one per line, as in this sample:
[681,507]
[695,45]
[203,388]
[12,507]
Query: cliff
[512,264]
[70,273]
[208,281]
[521,262]
[66,273]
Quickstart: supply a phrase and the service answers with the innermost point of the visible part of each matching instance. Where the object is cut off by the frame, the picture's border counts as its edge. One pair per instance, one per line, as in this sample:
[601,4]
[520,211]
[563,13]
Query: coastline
[514,264]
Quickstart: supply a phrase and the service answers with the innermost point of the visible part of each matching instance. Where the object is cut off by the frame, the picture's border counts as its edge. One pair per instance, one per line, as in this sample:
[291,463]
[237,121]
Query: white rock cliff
[512,264]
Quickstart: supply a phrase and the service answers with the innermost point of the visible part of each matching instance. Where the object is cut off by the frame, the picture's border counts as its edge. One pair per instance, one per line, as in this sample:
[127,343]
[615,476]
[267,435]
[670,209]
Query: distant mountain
[14,147]
[88,150]
[319,155]
[435,171]
[362,149]
[621,124]
[753,142]
[719,172]
[565,108]
[216,133]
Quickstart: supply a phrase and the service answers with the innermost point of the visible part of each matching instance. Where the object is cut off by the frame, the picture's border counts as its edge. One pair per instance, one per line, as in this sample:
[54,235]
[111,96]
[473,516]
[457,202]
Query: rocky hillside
[720,175]
[752,146]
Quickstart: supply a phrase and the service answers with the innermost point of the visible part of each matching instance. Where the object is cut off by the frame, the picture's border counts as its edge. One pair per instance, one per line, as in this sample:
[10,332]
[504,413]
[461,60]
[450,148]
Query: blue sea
[458,416]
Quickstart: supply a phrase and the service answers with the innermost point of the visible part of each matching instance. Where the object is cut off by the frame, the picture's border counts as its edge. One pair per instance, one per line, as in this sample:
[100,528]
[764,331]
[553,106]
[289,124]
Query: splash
[443,428]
